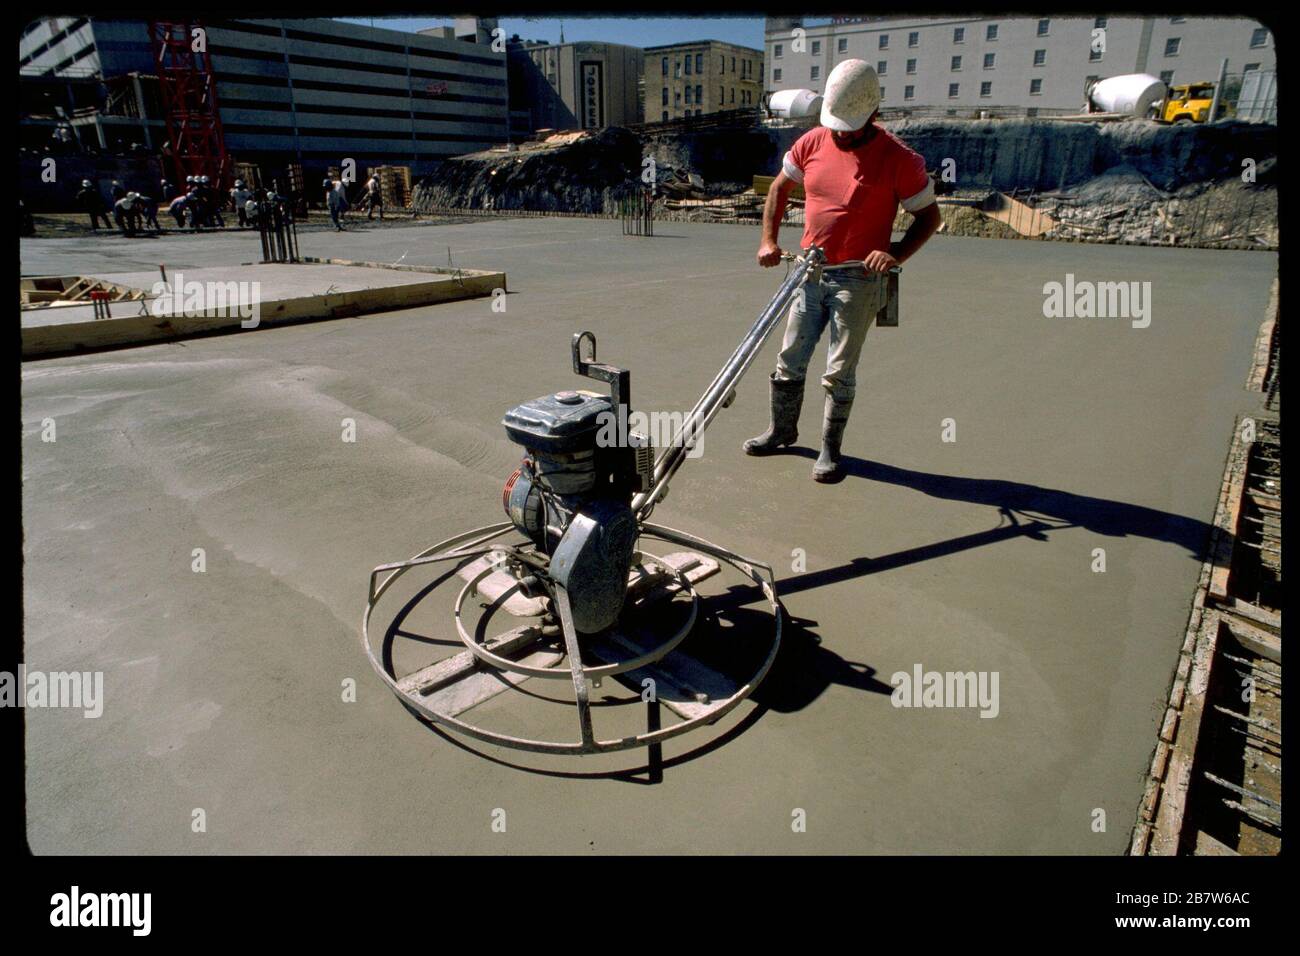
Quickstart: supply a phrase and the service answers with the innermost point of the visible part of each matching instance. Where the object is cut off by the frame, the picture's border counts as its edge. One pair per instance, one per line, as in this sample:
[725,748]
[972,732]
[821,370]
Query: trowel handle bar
[717,395]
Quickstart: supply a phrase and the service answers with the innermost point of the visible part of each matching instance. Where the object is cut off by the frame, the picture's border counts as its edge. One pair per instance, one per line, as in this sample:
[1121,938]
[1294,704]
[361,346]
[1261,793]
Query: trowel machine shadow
[589,599]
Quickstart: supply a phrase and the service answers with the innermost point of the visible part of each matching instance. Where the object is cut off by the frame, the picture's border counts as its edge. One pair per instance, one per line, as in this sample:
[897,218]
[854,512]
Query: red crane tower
[189,95]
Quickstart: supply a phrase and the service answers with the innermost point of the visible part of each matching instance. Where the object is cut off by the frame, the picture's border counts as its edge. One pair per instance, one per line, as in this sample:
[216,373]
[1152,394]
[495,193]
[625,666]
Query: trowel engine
[572,493]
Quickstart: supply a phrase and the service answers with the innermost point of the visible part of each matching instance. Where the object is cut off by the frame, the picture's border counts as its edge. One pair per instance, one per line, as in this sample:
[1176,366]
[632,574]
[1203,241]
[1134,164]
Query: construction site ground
[225,689]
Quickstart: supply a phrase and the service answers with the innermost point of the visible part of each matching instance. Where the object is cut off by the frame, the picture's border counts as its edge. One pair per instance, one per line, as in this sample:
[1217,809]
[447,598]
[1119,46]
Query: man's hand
[769,254]
[879,261]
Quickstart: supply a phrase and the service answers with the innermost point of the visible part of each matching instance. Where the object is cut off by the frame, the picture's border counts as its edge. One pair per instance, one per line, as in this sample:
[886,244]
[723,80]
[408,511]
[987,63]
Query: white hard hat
[203,179]
[852,95]
[85,182]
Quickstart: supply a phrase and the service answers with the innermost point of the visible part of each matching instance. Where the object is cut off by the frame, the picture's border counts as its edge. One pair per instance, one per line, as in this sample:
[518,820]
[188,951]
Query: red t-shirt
[852,196]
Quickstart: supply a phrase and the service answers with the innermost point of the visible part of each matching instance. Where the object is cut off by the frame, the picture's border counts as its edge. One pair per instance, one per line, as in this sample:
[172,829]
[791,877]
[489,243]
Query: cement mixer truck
[1143,95]
[1133,94]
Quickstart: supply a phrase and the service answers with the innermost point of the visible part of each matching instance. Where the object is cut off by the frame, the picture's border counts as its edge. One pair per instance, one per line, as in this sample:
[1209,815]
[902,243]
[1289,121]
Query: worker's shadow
[1029,510]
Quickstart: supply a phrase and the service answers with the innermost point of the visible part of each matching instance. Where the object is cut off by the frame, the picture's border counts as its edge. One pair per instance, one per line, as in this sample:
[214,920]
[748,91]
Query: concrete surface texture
[224,689]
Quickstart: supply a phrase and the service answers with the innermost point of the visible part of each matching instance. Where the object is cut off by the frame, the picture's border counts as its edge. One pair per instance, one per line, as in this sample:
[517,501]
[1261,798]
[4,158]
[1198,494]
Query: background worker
[374,198]
[239,196]
[127,215]
[89,199]
[337,201]
[855,175]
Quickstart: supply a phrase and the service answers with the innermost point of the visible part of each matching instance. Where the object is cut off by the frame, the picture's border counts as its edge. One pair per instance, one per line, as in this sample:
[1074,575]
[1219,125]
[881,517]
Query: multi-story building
[707,76]
[966,62]
[583,85]
[314,91]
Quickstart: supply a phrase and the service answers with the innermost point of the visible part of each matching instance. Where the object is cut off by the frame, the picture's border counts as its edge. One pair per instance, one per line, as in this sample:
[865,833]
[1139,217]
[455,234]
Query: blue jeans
[847,301]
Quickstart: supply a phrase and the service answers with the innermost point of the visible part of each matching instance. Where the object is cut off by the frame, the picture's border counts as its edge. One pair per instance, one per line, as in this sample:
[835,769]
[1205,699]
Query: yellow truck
[1188,103]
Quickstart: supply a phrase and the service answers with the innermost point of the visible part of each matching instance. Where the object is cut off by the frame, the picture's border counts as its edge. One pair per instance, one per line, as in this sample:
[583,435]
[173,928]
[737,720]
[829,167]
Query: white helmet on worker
[852,96]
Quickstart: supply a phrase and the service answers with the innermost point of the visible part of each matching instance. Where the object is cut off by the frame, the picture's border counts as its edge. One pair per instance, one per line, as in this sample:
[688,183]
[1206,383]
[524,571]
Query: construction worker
[127,214]
[240,196]
[148,210]
[211,207]
[374,198]
[118,190]
[177,207]
[337,201]
[92,202]
[854,175]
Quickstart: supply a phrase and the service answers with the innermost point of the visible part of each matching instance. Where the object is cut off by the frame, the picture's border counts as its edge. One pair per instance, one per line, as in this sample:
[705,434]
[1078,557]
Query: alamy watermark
[72,689]
[663,429]
[193,298]
[922,688]
[1085,299]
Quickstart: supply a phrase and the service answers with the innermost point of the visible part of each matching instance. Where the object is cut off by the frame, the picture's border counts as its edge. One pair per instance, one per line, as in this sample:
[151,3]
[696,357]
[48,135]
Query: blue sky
[639,31]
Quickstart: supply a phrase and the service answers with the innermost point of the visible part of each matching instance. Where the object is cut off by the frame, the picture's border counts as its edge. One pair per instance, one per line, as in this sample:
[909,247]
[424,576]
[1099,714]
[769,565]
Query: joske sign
[593,96]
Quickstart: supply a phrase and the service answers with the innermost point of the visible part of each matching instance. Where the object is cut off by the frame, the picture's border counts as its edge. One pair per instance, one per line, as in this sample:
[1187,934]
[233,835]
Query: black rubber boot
[830,466]
[787,400]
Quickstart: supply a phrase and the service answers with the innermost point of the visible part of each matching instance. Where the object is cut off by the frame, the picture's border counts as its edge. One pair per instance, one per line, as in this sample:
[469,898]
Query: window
[842,45]
[909,92]
[816,47]
[665,118]
[1099,23]
[677,69]
[1035,87]
[688,65]
[1172,45]
[911,66]
[1043,27]
[677,98]
[665,66]
[953,89]
[1094,56]
[1167,77]
[882,67]
[988,60]
[1040,57]
[914,39]
[882,92]
[1259,37]
[1089,80]
[884,41]
[776,75]
[688,96]
[699,63]
[986,88]
[665,97]
[1249,67]
[699,95]
[776,54]
[733,94]
[722,64]
[958,34]
[991,32]
[1031,112]
[815,73]
[956,63]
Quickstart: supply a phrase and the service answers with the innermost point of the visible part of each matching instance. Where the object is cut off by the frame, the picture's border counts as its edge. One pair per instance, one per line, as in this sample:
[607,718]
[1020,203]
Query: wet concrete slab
[241,296]
[225,688]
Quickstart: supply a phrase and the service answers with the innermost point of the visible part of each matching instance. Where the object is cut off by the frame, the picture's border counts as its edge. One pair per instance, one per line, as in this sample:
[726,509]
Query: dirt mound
[575,177]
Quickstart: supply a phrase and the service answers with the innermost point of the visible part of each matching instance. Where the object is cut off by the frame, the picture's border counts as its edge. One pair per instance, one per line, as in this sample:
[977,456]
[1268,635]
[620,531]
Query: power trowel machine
[578,576]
